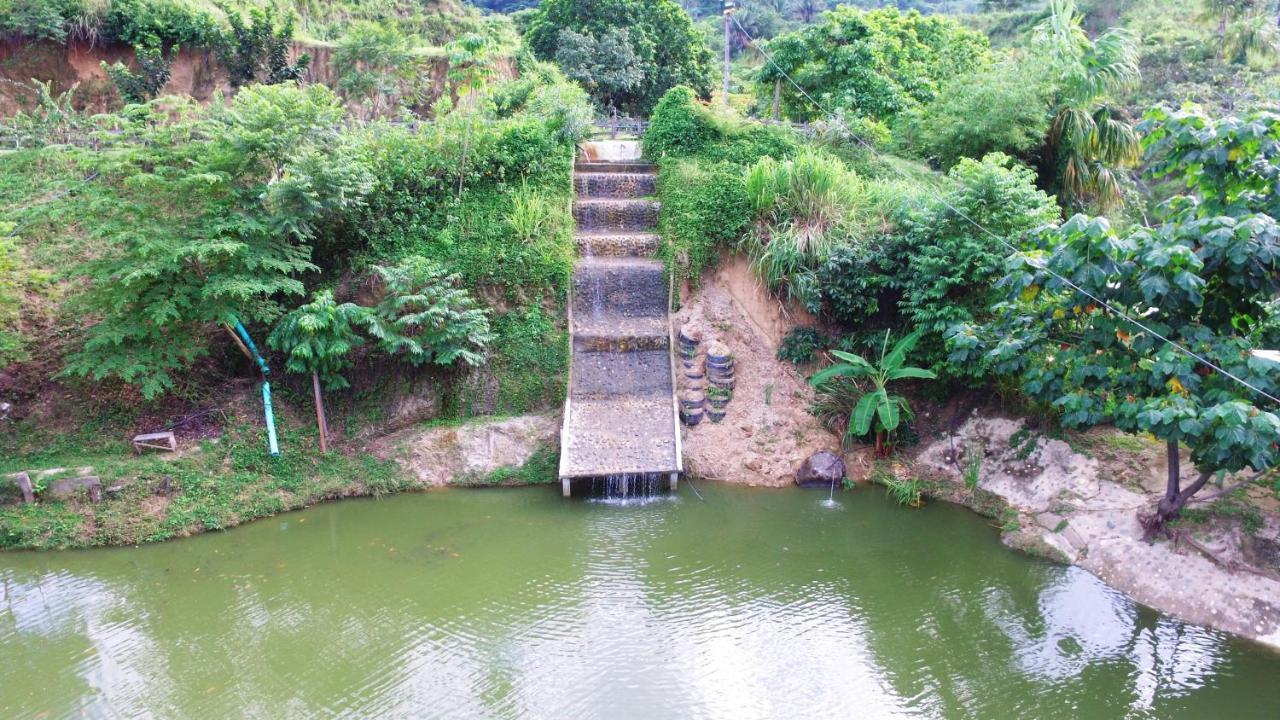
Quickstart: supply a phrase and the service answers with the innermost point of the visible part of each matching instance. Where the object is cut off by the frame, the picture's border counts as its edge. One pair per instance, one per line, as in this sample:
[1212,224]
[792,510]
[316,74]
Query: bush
[802,345]
[683,127]
[678,127]
[1003,108]
[704,207]
[937,268]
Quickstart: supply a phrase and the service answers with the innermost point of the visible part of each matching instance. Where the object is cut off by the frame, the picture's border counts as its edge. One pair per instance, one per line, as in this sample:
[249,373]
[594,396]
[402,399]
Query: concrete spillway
[620,428]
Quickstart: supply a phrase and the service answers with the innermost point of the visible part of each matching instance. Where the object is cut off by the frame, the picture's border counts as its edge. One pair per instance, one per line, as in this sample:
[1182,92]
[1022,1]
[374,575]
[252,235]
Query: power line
[1034,262]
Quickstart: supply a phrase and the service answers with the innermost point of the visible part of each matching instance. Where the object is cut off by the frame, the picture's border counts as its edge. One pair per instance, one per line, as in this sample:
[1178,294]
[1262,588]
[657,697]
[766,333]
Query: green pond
[517,603]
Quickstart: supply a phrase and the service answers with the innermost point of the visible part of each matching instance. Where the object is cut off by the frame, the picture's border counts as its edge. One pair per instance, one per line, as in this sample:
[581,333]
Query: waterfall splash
[630,488]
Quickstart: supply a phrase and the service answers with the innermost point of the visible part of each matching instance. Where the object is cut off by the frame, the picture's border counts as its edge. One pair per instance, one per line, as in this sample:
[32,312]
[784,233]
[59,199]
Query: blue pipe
[248,341]
[272,442]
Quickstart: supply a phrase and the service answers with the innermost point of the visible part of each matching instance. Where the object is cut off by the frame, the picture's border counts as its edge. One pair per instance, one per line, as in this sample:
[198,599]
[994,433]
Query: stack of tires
[719,375]
[693,399]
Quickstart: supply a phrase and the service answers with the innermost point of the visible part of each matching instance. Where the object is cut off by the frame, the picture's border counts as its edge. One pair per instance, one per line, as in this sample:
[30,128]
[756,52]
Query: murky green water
[480,604]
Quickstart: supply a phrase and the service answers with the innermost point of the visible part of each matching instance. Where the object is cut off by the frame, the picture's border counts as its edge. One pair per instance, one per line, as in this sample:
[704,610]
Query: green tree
[878,408]
[375,63]
[425,318]
[258,51]
[876,64]
[997,108]
[1206,277]
[318,338]
[608,68]
[150,78]
[1089,142]
[201,231]
[669,50]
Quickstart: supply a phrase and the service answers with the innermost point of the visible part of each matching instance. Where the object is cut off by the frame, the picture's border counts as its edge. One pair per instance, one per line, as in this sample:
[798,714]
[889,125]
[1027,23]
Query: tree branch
[1230,488]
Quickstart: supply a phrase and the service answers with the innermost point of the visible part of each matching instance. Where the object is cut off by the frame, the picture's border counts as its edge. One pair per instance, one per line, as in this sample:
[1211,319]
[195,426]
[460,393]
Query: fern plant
[318,339]
[878,408]
[424,317]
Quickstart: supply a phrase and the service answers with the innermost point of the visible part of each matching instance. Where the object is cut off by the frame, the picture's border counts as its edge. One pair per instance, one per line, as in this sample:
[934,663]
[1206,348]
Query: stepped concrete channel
[620,434]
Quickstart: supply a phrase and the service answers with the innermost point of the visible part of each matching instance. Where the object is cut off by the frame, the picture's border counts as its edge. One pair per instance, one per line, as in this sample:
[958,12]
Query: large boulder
[822,469]
[469,452]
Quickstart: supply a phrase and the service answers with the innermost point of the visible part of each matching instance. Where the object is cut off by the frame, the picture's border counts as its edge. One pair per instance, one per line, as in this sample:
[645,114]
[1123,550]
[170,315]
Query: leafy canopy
[667,49]
[1205,277]
[205,229]
[874,64]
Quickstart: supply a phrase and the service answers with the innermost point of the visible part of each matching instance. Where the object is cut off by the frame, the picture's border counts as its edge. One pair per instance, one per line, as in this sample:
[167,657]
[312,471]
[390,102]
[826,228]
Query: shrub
[148,81]
[679,126]
[424,317]
[704,207]
[1002,108]
[802,345]
[937,268]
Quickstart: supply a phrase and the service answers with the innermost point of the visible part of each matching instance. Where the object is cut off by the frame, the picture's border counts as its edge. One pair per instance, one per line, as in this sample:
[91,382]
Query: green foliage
[938,268]
[528,363]
[233,239]
[425,318]
[667,48]
[876,63]
[319,338]
[802,345]
[148,81]
[258,51]
[678,126]
[878,409]
[226,484]
[998,108]
[36,19]
[704,209]
[376,64]
[804,208]
[1206,277]
[607,67]
[1089,141]
[11,285]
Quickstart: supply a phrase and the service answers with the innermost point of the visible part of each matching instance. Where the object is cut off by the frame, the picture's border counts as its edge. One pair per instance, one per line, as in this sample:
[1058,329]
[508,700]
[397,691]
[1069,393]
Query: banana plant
[878,407]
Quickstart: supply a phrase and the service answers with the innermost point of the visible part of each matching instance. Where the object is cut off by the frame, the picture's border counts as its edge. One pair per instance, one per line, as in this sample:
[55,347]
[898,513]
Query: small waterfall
[630,487]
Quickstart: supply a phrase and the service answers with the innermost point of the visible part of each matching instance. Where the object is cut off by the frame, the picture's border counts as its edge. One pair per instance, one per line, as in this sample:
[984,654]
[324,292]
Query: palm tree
[878,407]
[1089,143]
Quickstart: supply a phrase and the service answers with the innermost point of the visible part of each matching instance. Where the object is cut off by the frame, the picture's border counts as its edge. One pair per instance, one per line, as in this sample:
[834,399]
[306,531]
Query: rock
[1262,553]
[23,481]
[70,487]
[822,469]
[5,410]
[471,452]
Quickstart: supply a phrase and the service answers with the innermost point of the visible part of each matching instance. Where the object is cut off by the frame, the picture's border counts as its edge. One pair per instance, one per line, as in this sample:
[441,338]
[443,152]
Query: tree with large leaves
[878,408]
[1206,278]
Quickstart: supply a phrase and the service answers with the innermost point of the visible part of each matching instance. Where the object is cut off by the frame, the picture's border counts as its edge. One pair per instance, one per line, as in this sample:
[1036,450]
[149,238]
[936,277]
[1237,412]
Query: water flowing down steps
[620,421]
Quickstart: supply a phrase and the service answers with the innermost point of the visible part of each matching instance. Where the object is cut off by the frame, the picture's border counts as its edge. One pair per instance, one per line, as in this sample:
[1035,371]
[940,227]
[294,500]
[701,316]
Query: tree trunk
[777,100]
[1175,496]
[321,421]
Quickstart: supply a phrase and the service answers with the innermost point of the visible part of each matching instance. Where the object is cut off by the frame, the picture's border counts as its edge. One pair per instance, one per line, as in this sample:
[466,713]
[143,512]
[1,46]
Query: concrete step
[616,167]
[610,332]
[615,185]
[615,214]
[615,436]
[619,244]
[619,286]
[598,375]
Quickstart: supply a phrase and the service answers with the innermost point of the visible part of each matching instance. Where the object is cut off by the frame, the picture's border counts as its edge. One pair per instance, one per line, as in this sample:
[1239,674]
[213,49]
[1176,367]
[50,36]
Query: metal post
[728,9]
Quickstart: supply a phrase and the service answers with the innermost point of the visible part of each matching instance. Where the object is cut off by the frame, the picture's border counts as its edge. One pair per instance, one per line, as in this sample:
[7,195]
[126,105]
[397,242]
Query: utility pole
[728,10]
